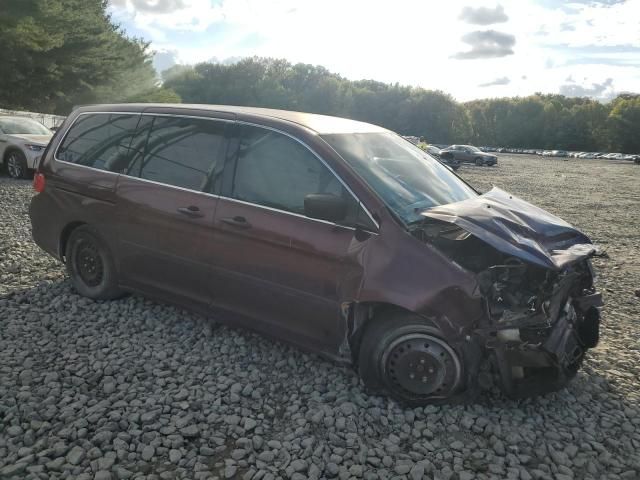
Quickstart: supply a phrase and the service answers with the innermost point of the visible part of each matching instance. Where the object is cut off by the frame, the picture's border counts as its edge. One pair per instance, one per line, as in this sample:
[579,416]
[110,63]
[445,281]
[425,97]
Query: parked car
[467,153]
[437,153]
[22,140]
[335,235]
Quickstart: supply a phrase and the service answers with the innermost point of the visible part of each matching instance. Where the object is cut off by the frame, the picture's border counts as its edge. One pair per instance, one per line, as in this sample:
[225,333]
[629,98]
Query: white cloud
[496,82]
[483,15]
[604,90]
[487,44]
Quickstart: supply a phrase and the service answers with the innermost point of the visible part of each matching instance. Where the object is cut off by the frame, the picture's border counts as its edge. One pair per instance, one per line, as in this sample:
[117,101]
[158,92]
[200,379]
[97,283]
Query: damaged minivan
[335,235]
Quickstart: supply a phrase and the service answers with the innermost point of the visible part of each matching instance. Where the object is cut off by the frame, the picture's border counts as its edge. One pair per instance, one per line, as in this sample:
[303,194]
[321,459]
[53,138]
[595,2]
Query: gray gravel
[134,389]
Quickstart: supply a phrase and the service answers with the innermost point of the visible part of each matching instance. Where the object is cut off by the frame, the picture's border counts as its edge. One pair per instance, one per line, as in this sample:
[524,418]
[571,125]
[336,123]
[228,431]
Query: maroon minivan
[336,235]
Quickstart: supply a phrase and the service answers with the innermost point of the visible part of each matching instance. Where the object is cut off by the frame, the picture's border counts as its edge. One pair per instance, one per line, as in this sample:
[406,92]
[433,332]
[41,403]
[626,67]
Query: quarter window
[99,141]
[276,171]
[179,151]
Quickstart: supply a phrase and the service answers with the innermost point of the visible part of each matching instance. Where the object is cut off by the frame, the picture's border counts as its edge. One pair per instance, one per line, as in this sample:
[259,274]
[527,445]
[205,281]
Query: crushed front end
[534,275]
[539,323]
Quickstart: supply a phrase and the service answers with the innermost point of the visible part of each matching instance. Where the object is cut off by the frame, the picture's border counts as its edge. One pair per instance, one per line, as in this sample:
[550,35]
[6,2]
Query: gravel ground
[133,389]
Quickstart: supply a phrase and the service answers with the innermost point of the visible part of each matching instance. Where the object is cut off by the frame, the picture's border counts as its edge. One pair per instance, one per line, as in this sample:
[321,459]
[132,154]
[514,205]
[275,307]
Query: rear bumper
[43,225]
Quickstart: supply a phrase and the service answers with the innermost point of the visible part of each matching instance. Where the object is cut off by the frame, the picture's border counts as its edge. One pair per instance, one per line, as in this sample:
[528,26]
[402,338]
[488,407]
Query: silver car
[22,141]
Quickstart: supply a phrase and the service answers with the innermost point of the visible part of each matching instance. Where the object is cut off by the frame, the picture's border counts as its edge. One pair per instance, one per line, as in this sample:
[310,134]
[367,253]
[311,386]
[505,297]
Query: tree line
[546,121]
[59,53]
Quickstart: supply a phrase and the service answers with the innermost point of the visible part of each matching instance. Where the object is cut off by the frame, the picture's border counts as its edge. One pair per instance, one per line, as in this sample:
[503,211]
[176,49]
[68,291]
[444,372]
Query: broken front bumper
[542,358]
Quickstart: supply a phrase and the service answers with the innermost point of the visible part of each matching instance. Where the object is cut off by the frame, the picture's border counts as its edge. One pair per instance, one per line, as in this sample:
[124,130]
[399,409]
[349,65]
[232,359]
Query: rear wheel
[90,265]
[409,359]
[16,163]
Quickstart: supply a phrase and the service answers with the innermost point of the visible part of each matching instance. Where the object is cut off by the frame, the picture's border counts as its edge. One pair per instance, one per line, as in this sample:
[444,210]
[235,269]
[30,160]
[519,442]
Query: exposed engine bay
[539,321]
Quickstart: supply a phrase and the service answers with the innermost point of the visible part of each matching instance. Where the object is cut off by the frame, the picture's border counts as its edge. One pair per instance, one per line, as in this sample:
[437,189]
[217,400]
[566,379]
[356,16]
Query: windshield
[23,126]
[407,179]
[474,149]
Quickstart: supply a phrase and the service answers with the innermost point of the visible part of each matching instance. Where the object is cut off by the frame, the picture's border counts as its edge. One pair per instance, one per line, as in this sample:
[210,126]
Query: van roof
[322,124]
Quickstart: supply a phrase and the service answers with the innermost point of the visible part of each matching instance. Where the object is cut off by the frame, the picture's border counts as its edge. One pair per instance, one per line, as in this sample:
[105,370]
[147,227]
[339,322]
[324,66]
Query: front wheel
[409,358]
[479,162]
[90,265]
[17,164]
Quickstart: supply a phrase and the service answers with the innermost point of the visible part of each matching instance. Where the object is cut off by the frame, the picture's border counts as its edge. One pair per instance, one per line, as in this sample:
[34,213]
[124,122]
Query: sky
[470,49]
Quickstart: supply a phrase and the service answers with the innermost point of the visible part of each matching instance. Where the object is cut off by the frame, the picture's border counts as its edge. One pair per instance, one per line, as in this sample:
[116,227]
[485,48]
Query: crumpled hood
[35,139]
[517,228]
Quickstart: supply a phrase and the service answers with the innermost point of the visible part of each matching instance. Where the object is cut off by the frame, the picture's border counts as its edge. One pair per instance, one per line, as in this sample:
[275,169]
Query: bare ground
[133,389]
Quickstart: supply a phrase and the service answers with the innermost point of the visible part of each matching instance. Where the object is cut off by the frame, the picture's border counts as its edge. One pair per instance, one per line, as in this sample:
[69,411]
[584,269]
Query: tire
[479,162]
[406,356]
[16,164]
[90,265]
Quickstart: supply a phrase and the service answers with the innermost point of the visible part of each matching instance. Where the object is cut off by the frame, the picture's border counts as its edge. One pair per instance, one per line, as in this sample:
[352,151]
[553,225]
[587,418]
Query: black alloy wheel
[17,164]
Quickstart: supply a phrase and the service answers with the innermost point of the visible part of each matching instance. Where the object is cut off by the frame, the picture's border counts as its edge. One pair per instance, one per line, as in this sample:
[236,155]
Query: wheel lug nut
[431,370]
[422,361]
[424,379]
[412,376]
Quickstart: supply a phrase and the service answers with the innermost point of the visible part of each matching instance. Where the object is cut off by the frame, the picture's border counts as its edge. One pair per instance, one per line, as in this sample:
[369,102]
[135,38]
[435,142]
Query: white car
[22,141]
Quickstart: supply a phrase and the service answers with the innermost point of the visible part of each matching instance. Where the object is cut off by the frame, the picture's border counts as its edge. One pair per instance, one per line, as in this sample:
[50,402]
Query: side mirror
[325,206]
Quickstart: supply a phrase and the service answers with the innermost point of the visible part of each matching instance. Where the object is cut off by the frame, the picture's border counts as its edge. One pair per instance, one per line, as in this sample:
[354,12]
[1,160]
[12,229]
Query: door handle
[191,211]
[237,221]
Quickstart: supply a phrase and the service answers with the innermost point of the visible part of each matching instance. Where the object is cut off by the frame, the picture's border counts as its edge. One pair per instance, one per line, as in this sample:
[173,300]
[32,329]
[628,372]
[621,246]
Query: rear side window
[99,140]
[179,151]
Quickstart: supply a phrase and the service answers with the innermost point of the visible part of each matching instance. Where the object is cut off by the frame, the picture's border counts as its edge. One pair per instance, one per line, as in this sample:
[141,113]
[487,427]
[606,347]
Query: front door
[165,216]
[273,263]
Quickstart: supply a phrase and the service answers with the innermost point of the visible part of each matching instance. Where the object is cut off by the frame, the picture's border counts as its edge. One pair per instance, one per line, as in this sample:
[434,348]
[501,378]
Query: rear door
[166,206]
[272,263]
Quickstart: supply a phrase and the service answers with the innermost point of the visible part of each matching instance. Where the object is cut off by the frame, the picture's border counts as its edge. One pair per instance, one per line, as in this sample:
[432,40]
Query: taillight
[39,182]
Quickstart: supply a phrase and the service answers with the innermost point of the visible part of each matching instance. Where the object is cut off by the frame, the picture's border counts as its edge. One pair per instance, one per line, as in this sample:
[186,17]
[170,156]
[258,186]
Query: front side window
[276,171]
[407,179]
[180,151]
[99,140]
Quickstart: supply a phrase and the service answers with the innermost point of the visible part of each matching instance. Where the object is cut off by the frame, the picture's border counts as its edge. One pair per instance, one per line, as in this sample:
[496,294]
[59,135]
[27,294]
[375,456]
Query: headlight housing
[35,148]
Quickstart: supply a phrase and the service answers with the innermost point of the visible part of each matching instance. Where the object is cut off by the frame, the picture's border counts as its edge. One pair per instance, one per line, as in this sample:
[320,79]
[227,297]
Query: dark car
[335,235]
[437,153]
[469,154]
